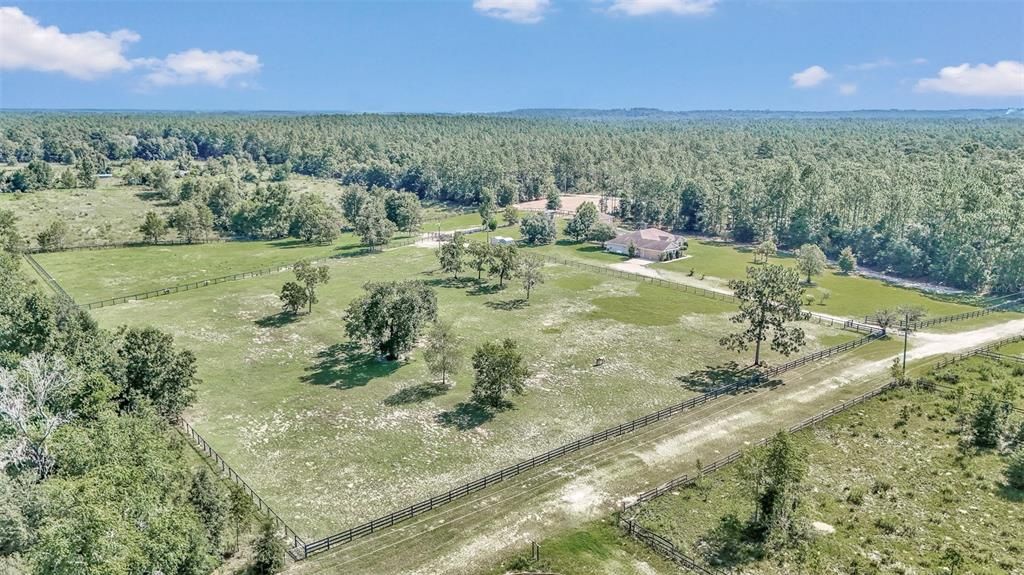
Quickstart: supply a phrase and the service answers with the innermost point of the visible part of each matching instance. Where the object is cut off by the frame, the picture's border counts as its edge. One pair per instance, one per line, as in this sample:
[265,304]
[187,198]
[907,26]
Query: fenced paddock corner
[227,472]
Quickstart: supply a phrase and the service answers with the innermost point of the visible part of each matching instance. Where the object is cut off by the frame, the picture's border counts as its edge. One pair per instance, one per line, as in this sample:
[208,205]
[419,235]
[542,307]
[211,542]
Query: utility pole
[906,334]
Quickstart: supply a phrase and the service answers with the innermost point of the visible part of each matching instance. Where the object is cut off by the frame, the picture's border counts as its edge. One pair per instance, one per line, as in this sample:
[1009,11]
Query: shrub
[1015,470]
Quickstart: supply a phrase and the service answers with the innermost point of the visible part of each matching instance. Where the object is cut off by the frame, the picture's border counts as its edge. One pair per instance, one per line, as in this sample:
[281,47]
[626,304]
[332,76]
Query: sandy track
[475,532]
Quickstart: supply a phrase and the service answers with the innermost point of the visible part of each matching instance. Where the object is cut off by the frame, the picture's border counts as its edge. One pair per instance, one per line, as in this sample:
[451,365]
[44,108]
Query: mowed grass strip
[896,494]
[332,436]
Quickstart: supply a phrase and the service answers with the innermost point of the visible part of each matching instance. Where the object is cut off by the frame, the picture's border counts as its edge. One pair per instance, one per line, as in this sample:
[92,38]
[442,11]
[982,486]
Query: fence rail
[756,379]
[980,349]
[850,325]
[667,549]
[664,547]
[226,470]
[821,354]
[116,245]
[47,278]
[1007,300]
[159,292]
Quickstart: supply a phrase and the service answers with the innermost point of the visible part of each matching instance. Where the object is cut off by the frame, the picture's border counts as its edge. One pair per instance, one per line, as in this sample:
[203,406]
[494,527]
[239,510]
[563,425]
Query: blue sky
[490,55]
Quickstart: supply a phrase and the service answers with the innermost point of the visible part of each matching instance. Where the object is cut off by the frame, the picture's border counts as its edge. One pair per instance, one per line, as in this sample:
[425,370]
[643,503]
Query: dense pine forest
[920,197]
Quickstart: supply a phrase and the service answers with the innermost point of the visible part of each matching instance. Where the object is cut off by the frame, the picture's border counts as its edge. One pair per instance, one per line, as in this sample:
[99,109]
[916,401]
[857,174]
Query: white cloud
[885,62]
[810,77]
[873,65]
[847,89]
[27,45]
[522,11]
[200,67]
[1005,78]
[678,7]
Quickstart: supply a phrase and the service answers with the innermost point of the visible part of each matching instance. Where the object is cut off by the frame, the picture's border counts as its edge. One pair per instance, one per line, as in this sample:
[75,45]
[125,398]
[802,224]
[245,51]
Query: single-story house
[502,241]
[649,244]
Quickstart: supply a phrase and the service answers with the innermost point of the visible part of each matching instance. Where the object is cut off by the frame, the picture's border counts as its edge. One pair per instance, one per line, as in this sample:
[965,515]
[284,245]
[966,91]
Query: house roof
[650,239]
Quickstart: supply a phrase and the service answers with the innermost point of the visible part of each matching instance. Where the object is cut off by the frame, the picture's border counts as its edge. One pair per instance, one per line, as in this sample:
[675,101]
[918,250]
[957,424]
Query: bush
[538,229]
[1015,470]
[269,551]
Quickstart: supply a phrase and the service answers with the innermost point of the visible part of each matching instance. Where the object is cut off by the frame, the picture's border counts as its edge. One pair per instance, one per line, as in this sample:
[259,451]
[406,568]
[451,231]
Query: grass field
[851,296]
[109,213]
[896,495]
[317,425]
[90,275]
[1013,349]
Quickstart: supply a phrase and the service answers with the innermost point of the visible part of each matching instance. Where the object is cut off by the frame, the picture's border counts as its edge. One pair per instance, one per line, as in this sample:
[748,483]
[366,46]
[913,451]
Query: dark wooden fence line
[232,277]
[665,547]
[980,349]
[821,354]
[230,473]
[1002,356]
[669,550]
[139,244]
[1007,300]
[47,278]
[850,325]
[756,379]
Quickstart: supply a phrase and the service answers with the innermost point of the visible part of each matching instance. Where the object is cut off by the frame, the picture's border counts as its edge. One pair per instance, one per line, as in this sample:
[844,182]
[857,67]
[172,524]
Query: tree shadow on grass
[465,416]
[346,365]
[731,543]
[709,378]
[712,378]
[450,282]
[155,197]
[279,319]
[507,305]
[416,393]
[484,288]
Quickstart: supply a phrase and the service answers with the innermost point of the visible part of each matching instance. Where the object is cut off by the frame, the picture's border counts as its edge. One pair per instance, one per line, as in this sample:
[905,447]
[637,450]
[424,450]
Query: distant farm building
[649,244]
[502,241]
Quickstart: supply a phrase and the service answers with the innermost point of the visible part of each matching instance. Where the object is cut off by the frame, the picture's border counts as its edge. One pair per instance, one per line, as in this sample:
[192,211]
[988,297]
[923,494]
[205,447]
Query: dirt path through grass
[469,535]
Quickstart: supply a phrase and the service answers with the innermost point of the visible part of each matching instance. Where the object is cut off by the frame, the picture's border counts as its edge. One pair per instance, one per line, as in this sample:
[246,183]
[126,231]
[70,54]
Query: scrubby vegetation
[916,480]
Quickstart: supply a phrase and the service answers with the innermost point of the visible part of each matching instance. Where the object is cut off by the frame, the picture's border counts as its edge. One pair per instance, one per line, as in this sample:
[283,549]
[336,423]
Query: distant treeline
[935,198]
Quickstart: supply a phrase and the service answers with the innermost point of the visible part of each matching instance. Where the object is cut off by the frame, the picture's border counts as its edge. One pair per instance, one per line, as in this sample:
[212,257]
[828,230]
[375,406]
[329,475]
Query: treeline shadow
[507,305]
[347,365]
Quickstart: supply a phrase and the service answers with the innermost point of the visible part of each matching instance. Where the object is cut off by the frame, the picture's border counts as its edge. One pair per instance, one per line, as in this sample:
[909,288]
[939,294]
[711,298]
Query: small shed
[502,241]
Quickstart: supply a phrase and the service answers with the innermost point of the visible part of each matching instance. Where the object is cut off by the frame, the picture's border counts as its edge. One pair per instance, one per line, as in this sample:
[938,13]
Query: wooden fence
[47,278]
[159,292]
[756,379]
[667,549]
[850,325]
[980,349]
[1006,300]
[821,354]
[116,245]
[226,470]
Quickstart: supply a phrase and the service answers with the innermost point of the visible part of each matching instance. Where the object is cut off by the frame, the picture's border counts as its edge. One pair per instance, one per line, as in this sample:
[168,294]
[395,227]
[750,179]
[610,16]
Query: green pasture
[851,295]
[332,436]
